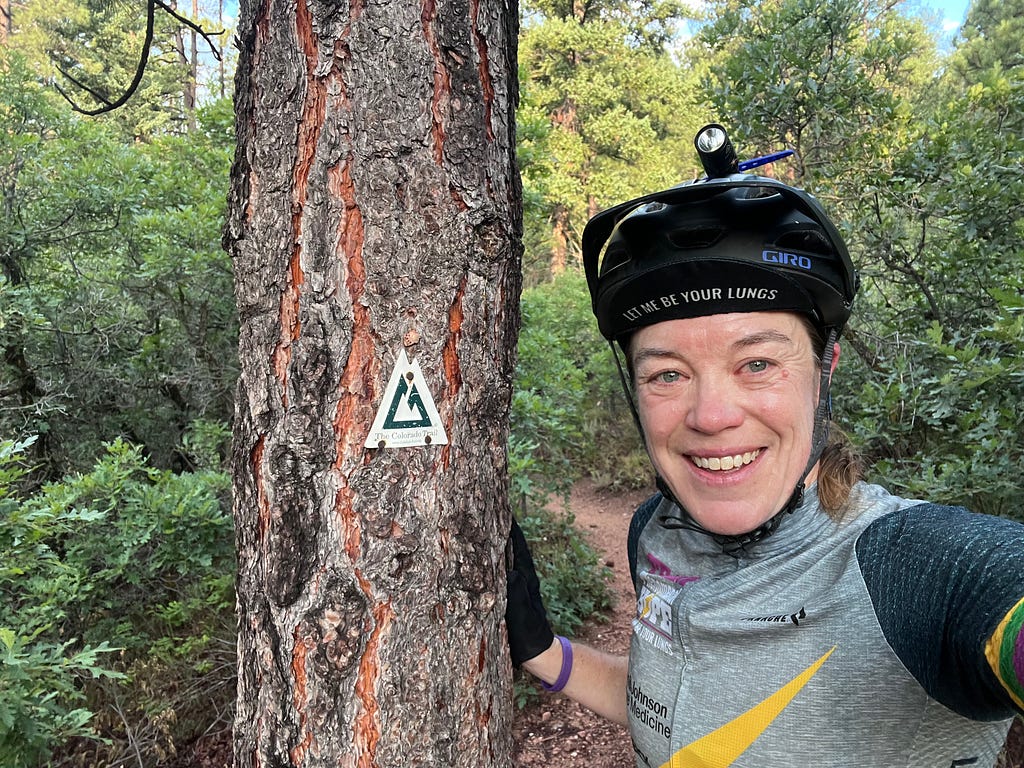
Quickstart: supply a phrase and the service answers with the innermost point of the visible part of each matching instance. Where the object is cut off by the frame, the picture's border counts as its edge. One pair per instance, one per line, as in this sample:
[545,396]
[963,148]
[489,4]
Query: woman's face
[727,407]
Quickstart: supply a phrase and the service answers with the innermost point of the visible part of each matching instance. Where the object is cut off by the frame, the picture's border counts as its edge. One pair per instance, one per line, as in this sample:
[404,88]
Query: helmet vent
[806,241]
[703,237]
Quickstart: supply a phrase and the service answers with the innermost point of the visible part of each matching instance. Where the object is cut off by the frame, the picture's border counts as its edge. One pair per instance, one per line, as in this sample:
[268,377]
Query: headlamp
[716,151]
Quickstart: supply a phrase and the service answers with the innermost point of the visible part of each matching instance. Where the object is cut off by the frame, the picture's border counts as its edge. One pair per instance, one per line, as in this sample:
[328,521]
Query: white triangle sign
[406,416]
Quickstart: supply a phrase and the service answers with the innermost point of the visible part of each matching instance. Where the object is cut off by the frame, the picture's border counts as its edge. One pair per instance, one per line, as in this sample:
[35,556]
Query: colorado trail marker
[406,417]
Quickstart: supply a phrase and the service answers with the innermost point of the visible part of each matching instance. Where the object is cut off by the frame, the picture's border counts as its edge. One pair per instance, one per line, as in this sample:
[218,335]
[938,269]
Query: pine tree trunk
[374,210]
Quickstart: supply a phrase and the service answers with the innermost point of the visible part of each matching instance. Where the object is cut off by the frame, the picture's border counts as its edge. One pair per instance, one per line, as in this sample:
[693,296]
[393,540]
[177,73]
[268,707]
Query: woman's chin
[726,522]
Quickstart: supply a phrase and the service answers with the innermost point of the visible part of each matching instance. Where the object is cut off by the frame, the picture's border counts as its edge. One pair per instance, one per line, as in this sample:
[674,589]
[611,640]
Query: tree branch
[194,27]
[140,69]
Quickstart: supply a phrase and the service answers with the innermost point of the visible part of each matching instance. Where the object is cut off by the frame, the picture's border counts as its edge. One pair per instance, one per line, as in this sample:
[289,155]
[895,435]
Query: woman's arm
[948,590]
[597,680]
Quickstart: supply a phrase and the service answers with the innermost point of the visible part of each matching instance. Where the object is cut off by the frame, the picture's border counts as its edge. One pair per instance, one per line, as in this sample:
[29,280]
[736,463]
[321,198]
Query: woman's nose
[714,406]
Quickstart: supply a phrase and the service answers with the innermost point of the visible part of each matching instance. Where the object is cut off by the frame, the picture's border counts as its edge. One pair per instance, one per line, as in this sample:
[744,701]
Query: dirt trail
[556,731]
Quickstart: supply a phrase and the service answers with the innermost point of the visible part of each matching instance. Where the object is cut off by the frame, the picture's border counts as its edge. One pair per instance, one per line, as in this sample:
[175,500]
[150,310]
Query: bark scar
[483,66]
[442,80]
[262,502]
[360,369]
[367,725]
[307,140]
[450,362]
[300,698]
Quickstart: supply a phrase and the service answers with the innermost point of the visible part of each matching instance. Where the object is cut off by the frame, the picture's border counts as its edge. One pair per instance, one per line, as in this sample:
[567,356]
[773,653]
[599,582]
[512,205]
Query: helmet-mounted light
[716,152]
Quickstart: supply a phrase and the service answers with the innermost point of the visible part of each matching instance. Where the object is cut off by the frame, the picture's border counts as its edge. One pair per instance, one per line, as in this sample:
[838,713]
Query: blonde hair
[841,466]
[839,469]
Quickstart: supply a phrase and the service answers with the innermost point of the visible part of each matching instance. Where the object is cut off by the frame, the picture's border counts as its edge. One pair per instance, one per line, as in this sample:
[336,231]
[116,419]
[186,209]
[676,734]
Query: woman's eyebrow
[751,340]
[648,353]
[762,337]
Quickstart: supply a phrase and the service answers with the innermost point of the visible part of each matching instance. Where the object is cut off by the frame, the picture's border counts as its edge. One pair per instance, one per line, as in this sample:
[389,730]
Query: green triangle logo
[407,410]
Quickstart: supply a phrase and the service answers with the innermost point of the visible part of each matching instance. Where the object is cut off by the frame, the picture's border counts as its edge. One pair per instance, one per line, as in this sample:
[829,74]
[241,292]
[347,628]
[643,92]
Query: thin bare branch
[140,70]
[194,27]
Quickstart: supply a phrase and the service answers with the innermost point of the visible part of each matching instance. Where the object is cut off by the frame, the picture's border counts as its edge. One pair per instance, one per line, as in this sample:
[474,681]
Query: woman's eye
[757,366]
[666,377]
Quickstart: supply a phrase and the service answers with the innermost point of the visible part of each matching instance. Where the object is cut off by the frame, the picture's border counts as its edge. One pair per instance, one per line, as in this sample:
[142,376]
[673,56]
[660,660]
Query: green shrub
[950,406]
[41,671]
[573,580]
[126,556]
[569,415]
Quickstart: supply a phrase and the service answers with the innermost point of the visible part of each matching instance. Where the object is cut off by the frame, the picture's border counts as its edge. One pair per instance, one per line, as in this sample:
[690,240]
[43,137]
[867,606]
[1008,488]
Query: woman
[787,612]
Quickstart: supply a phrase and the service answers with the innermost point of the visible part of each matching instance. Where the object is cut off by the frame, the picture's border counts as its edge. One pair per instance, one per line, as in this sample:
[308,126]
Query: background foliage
[117,329]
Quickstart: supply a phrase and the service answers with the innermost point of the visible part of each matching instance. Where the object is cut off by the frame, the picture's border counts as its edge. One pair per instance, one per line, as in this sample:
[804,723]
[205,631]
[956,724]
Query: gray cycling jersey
[784,656]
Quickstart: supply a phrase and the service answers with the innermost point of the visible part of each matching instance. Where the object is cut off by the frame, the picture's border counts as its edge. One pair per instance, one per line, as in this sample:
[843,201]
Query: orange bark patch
[300,697]
[360,368]
[367,724]
[451,365]
[483,67]
[351,533]
[442,82]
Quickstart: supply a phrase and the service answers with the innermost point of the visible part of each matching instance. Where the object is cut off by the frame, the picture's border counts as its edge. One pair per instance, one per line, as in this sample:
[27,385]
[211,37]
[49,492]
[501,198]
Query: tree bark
[375,208]
[5,22]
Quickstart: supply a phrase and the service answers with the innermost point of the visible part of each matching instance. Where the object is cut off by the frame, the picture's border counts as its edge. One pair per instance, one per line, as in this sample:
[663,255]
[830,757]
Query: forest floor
[553,730]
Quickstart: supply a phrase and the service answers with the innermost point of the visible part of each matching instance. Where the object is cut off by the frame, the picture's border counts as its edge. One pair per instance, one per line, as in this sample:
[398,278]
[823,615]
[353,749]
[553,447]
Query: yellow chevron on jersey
[721,747]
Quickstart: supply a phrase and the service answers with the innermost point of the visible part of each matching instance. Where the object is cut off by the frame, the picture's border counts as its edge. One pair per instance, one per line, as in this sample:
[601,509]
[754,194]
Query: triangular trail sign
[406,416]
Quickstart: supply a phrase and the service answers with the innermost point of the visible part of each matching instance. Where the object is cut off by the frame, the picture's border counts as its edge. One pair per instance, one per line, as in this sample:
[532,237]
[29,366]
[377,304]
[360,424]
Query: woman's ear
[835,360]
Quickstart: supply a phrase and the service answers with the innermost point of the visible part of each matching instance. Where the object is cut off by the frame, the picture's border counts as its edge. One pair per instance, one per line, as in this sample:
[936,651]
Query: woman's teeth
[717,463]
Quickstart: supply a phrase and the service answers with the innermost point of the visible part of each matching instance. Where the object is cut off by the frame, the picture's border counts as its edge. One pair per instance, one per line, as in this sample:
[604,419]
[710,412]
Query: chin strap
[736,544]
[732,544]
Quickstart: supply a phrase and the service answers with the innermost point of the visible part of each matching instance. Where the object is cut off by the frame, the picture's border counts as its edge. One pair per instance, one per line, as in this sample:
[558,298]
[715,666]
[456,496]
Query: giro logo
[781,257]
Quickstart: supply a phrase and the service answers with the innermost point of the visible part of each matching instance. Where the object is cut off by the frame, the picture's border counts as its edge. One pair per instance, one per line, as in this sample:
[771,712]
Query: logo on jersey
[724,745]
[659,588]
[653,621]
[786,618]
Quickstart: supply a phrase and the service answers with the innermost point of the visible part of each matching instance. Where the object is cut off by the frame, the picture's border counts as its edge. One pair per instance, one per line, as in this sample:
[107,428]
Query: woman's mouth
[724,463]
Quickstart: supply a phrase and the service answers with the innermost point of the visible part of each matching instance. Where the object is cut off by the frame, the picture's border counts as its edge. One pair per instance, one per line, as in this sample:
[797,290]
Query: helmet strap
[627,389]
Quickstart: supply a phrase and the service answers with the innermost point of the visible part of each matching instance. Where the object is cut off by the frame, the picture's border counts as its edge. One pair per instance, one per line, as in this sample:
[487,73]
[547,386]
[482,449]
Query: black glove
[529,632]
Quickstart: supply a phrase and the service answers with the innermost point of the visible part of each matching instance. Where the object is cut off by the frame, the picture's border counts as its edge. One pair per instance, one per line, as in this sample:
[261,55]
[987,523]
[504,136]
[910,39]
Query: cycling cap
[738,243]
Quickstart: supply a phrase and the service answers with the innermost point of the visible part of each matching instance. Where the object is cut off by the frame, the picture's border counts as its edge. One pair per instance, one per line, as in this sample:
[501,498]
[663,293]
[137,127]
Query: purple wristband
[563,675]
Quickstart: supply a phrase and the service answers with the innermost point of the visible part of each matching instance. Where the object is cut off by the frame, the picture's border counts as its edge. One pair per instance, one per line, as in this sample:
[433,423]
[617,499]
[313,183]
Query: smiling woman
[710,389]
[782,603]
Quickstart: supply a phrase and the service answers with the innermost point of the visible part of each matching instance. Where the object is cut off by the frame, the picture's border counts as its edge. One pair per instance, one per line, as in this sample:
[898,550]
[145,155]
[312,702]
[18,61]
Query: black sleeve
[941,579]
[641,517]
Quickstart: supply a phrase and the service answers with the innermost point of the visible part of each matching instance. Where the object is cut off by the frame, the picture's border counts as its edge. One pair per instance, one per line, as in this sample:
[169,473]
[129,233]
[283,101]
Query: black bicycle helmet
[731,242]
[741,243]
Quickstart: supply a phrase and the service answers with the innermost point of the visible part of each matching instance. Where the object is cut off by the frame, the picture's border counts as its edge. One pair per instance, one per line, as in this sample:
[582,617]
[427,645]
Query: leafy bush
[569,416]
[951,410]
[40,674]
[573,581]
[126,556]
